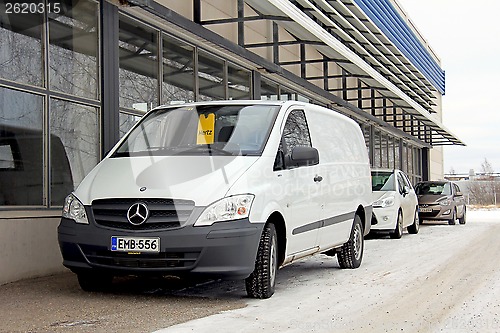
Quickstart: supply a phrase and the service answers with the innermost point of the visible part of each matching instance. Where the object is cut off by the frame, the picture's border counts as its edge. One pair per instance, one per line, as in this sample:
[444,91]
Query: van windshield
[201,130]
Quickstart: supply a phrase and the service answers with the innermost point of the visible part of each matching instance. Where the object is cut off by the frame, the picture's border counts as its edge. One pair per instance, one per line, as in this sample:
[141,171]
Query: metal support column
[110,103]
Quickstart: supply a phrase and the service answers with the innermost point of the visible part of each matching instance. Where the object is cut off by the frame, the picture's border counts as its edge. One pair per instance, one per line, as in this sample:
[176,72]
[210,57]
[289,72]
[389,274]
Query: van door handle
[317,178]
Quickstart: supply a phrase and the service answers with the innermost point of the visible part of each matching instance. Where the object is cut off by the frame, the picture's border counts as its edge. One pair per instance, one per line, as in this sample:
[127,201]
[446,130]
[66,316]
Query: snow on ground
[445,279]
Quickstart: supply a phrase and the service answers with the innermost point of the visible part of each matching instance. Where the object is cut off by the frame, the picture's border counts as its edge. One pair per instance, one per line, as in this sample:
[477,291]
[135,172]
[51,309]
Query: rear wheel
[398,231]
[262,281]
[415,227]
[91,281]
[453,217]
[351,253]
[462,219]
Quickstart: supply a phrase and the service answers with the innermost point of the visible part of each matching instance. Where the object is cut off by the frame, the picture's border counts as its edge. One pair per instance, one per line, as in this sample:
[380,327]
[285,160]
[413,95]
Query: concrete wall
[28,248]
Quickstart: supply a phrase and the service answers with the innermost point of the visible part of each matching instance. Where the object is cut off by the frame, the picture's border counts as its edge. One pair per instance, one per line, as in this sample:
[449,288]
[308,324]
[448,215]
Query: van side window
[295,133]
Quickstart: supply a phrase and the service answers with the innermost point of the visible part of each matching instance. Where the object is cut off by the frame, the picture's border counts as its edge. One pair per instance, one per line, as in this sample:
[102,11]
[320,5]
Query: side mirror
[459,194]
[406,191]
[302,156]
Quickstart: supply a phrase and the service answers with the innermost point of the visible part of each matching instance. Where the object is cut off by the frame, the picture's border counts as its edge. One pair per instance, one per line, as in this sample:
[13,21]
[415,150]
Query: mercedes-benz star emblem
[138,213]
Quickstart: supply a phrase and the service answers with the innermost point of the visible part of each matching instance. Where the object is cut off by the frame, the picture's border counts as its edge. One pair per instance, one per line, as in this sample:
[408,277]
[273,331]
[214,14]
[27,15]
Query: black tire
[453,219]
[91,281]
[262,281]
[462,220]
[398,230]
[415,227]
[351,253]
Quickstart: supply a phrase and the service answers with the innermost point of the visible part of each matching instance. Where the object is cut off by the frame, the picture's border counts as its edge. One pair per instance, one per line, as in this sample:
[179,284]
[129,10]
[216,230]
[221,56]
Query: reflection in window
[287,95]
[21,51]
[127,121]
[391,153]
[384,155]
[238,81]
[21,136]
[268,90]
[210,77]
[178,71]
[74,48]
[377,153]
[74,146]
[295,132]
[138,53]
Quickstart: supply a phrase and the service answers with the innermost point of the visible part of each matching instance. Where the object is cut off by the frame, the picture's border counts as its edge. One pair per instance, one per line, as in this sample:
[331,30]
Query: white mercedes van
[234,189]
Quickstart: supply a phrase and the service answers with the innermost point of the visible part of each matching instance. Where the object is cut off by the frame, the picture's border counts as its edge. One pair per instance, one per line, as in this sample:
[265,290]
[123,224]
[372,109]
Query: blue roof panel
[388,20]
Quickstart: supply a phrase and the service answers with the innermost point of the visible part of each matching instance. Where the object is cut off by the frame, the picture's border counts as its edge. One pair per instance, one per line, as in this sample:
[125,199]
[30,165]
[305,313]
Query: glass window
[268,90]
[397,159]
[127,121]
[138,52]
[21,139]
[390,145]
[384,151]
[377,153]
[210,77]
[287,95]
[383,181]
[74,146]
[21,53]
[74,48]
[239,81]
[410,160]
[295,133]
[178,71]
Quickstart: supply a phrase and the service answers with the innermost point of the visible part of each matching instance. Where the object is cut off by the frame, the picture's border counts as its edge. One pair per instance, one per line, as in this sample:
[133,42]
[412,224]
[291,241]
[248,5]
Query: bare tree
[487,168]
[452,171]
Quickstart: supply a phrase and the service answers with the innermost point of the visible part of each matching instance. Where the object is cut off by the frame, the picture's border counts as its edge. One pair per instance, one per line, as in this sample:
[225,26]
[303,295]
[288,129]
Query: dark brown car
[440,200]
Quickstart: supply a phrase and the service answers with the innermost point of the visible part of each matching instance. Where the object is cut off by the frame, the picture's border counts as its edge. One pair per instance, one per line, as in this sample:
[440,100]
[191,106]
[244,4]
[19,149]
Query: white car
[395,204]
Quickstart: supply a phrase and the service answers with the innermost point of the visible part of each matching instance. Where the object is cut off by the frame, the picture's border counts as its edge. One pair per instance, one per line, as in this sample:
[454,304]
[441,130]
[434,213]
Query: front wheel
[262,281]
[462,219]
[453,217]
[415,227]
[351,253]
[397,233]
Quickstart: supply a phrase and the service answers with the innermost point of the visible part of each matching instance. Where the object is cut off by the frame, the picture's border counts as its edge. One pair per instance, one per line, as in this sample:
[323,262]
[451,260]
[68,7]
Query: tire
[398,231]
[462,220]
[351,253]
[415,227]
[453,217]
[91,281]
[262,281]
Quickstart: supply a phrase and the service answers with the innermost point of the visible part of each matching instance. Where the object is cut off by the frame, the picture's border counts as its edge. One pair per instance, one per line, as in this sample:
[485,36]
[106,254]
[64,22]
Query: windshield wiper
[208,148]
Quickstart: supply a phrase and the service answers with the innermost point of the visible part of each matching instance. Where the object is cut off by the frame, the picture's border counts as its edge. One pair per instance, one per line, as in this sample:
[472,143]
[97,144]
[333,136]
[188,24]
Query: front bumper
[435,212]
[225,249]
[386,218]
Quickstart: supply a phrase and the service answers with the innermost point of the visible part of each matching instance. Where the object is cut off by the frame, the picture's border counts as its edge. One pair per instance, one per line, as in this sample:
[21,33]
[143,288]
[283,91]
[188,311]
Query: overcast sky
[466,36]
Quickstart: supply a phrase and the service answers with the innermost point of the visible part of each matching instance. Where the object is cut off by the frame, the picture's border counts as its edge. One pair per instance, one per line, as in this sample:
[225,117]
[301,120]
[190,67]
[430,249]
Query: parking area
[444,278]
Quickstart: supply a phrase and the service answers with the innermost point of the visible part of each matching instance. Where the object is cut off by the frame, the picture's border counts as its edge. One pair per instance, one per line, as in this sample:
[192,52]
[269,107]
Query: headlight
[230,208]
[384,202]
[74,209]
[445,202]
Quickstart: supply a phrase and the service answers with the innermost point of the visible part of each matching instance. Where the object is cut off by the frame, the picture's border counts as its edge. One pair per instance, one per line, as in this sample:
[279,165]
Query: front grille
[101,256]
[163,213]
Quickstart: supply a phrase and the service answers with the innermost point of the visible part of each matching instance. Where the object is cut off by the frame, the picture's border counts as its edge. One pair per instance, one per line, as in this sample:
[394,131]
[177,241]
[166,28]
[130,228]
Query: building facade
[75,75]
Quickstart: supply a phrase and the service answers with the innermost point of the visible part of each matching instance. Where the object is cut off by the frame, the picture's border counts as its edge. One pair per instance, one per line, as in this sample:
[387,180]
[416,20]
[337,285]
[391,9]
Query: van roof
[234,102]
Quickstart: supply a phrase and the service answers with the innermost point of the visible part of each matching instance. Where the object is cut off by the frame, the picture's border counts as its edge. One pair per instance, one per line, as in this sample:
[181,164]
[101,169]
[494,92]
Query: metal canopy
[342,33]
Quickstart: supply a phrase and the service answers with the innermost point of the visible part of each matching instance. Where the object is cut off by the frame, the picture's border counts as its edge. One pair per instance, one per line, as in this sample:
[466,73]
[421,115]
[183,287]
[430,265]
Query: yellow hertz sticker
[206,127]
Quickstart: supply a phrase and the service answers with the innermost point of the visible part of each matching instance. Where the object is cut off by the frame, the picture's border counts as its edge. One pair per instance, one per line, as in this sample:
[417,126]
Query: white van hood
[203,179]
